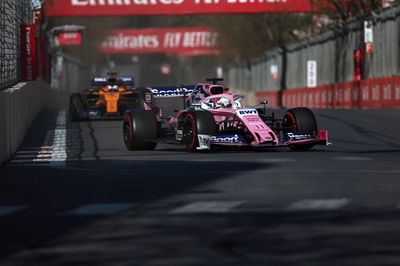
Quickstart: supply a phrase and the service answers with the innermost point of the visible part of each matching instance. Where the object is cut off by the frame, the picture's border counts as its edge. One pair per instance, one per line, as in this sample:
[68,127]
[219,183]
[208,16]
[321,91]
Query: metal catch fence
[332,50]
[13,13]
[70,75]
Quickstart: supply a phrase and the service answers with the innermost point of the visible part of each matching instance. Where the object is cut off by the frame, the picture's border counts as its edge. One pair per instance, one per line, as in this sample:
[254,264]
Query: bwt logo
[247,112]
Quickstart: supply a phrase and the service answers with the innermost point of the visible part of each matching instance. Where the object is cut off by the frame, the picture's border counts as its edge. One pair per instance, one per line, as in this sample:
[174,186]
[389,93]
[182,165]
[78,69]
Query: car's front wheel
[195,123]
[300,120]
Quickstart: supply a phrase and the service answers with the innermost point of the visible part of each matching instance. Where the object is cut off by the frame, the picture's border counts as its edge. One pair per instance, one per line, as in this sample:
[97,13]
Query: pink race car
[214,117]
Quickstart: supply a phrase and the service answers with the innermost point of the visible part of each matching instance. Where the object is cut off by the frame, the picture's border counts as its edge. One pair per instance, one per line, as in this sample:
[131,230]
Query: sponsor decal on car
[244,112]
[93,113]
[267,137]
[296,136]
[147,97]
[253,119]
[100,79]
[179,134]
[227,139]
[171,92]
[126,79]
[204,142]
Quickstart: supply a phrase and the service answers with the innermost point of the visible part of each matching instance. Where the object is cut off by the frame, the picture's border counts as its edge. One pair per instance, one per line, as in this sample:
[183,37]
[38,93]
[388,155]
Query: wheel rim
[189,132]
[289,123]
[128,134]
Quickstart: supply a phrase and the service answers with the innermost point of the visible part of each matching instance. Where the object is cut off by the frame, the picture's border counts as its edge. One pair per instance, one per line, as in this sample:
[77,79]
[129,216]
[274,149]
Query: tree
[341,11]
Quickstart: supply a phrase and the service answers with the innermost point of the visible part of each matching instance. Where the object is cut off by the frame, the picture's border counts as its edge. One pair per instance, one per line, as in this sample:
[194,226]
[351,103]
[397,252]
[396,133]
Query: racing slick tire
[75,105]
[301,120]
[139,127]
[195,123]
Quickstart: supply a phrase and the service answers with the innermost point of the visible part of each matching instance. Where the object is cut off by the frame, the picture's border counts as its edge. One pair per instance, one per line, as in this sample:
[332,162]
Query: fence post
[283,76]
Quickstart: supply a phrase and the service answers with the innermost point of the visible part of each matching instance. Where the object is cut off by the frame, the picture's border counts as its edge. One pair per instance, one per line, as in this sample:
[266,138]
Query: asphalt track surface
[92,202]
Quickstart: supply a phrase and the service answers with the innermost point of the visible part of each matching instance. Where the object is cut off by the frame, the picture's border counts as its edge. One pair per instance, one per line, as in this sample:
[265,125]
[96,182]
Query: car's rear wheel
[140,130]
[300,120]
[195,123]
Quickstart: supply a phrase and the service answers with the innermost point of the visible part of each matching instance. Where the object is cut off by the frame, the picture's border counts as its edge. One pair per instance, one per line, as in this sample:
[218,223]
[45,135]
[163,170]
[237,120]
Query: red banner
[170,7]
[183,41]
[29,62]
[367,93]
[358,57]
[70,38]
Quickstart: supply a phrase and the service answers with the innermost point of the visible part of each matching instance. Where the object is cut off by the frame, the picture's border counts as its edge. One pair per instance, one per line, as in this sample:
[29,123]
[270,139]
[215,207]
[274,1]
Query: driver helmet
[223,103]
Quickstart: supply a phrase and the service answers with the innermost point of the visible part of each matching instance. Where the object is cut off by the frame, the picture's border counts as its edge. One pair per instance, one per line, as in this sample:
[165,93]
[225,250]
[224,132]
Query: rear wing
[126,81]
[170,99]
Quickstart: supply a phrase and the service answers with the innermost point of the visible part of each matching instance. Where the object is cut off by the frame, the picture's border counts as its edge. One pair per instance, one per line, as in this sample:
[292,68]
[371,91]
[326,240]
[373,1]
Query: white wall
[18,108]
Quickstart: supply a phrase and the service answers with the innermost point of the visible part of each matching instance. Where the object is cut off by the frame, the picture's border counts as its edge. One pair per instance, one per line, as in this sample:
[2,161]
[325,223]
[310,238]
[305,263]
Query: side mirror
[226,89]
[264,102]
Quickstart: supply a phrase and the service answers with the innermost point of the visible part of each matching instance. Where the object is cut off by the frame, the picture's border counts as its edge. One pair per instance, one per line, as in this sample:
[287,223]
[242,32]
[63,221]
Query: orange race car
[110,97]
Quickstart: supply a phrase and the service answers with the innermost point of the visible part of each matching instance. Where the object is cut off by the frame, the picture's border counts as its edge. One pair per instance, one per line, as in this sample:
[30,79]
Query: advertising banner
[37,16]
[70,38]
[358,57]
[29,62]
[170,7]
[182,41]
[311,73]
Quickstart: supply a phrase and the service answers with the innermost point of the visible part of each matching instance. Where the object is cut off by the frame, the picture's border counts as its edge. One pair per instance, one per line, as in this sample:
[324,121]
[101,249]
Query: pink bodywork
[254,125]
[157,111]
[261,133]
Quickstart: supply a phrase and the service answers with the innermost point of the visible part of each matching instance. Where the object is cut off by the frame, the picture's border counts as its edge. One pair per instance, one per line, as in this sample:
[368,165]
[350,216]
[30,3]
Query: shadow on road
[50,191]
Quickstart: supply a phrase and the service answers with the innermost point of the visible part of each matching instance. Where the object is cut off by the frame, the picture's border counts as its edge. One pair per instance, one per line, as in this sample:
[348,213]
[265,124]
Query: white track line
[318,204]
[99,209]
[4,210]
[351,158]
[276,160]
[207,207]
[60,140]
[202,160]
[55,155]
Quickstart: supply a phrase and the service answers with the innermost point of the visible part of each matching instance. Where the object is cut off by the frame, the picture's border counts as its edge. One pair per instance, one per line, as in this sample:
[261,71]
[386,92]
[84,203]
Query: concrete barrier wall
[18,108]
[367,94]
